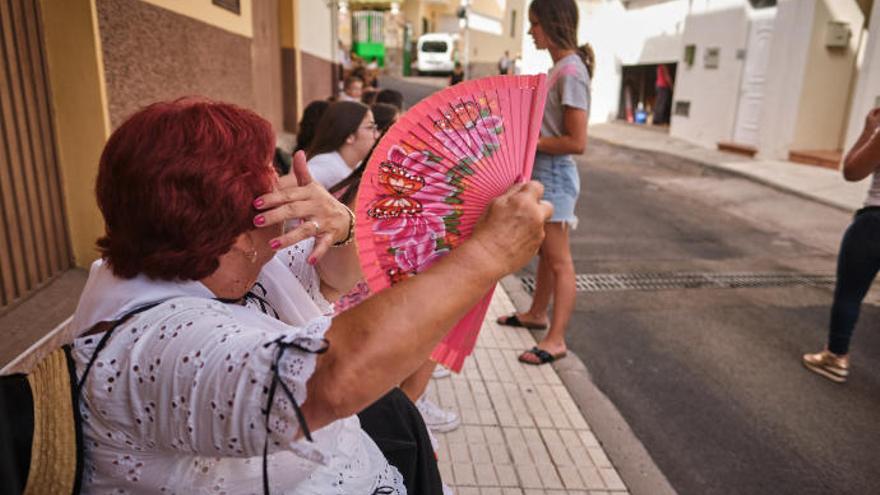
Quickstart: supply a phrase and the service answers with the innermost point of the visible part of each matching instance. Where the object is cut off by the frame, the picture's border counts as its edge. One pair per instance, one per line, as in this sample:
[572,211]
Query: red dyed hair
[176,184]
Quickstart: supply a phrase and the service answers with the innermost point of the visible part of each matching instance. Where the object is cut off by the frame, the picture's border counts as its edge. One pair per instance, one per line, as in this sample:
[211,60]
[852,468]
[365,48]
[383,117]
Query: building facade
[485,28]
[786,79]
[74,70]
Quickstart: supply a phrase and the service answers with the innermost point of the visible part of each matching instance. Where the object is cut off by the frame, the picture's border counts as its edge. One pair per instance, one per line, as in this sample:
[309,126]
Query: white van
[434,53]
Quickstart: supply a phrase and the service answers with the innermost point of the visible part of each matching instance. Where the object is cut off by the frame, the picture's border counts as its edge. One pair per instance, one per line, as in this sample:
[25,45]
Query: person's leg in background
[857,265]
[415,387]
[556,255]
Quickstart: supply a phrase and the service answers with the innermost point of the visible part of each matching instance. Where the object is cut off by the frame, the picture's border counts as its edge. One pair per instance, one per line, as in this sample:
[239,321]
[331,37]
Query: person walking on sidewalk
[504,63]
[553,27]
[663,87]
[859,258]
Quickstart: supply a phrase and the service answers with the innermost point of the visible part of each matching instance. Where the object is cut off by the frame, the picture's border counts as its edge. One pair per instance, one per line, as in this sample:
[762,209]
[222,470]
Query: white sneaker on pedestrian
[437,419]
[440,372]
[435,445]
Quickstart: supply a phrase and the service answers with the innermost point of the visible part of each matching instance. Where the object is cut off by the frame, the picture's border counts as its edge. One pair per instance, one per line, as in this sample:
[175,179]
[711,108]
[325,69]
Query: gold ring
[317,226]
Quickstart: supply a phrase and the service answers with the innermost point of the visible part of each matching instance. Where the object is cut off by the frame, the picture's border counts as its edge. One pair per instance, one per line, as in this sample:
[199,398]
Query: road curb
[633,462]
[715,167]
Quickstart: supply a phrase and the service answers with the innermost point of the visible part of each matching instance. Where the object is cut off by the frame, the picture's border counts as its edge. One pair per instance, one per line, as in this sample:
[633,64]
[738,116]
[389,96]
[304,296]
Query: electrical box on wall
[682,108]
[712,58]
[837,34]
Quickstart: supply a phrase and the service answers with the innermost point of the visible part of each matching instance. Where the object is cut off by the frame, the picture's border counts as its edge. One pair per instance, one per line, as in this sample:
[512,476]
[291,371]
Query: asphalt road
[414,88]
[710,380]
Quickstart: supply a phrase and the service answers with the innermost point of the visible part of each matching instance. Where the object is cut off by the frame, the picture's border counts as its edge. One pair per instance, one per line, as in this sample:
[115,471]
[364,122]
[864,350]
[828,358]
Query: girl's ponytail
[589,57]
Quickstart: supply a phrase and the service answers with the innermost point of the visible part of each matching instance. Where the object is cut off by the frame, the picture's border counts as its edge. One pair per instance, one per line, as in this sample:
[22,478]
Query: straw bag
[41,446]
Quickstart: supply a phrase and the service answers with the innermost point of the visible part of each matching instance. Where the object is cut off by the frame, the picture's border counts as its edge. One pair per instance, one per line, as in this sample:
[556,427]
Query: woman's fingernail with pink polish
[275,244]
[259,220]
[259,202]
[312,260]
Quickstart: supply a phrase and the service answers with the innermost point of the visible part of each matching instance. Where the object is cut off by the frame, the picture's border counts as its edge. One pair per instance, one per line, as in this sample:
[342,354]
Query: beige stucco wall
[81,93]
[867,89]
[314,29]
[488,48]
[825,97]
[207,12]
[81,117]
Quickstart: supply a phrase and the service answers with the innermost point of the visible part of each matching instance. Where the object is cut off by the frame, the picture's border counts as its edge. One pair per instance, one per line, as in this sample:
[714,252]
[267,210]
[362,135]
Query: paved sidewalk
[521,431]
[820,184]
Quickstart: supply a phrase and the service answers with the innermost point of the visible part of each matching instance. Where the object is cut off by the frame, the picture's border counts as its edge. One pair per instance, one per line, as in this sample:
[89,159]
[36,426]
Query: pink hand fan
[432,176]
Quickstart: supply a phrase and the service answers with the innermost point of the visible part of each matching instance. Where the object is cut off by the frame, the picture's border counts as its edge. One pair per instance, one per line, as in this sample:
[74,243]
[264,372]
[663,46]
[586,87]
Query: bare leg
[556,253]
[544,286]
[544,283]
[414,385]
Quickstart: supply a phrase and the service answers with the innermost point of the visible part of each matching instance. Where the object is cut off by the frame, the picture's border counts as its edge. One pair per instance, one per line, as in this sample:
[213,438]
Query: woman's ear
[350,139]
[245,245]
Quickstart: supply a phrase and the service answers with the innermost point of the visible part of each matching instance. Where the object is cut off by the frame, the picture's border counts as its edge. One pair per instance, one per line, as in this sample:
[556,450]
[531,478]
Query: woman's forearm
[381,341]
[339,270]
[387,337]
[573,140]
[561,145]
[864,157]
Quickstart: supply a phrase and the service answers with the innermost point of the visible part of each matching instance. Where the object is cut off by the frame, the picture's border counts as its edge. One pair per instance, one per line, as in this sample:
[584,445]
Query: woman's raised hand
[298,197]
[512,228]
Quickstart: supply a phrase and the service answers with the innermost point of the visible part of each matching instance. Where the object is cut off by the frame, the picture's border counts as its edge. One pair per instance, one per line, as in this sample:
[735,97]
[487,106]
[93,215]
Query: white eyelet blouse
[175,401]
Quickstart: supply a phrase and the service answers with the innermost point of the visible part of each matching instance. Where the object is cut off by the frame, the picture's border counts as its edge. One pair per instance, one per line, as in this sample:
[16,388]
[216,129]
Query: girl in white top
[859,258]
[344,137]
[238,355]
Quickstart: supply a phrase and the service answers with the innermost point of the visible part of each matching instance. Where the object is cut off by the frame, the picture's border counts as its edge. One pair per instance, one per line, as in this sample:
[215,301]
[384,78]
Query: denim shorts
[562,185]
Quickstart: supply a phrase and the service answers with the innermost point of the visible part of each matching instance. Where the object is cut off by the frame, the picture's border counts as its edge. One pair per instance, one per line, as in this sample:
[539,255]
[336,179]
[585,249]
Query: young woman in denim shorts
[553,27]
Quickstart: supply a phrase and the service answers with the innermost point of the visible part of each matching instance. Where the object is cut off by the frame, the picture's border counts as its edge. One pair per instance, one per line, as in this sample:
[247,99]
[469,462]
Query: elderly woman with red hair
[208,358]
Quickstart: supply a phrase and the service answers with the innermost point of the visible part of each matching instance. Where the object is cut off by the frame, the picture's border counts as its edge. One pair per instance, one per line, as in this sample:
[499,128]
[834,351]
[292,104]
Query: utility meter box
[712,58]
[837,34]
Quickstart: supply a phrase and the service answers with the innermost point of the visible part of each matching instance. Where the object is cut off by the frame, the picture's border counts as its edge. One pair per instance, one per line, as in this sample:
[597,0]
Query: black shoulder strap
[106,338]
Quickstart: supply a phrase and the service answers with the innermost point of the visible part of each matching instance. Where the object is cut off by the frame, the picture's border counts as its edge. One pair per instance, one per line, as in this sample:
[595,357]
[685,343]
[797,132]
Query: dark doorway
[640,94]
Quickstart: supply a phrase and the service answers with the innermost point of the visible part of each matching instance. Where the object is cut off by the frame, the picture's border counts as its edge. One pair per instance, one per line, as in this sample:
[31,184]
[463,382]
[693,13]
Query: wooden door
[34,246]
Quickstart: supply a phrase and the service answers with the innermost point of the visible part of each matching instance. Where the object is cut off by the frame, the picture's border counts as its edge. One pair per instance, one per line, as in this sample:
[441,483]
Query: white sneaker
[435,445]
[440,372]
[437,419]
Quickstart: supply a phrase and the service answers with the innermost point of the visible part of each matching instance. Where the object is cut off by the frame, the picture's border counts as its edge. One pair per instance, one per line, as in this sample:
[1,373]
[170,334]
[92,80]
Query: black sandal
[514,321]
[543,356]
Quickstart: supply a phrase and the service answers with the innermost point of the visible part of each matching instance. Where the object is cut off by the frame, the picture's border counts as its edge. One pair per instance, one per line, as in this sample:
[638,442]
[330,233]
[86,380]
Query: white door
[751,94]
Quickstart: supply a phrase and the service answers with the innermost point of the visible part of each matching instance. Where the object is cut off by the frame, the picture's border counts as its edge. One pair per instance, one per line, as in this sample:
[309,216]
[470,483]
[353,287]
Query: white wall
[867,88]
[713,93]
[785,76]
[824,99]
[619,37]
[315,26]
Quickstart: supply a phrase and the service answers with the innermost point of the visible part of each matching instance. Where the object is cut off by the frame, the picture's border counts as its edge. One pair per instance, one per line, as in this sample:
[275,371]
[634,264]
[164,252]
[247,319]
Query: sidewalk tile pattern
[521,431]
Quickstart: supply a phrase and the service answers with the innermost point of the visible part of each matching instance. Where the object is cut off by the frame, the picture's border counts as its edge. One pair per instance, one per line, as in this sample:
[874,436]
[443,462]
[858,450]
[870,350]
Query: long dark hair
[385,115]
[559,21]
[349,185]
[340,120]
[309,123]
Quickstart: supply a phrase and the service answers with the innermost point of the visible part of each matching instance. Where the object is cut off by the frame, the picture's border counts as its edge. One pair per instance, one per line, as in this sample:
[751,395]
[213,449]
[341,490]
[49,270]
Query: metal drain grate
[604,282]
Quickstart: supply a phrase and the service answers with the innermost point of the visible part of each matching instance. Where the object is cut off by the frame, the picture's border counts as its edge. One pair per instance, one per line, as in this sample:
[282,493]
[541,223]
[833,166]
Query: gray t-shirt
[873,198]
[569,86]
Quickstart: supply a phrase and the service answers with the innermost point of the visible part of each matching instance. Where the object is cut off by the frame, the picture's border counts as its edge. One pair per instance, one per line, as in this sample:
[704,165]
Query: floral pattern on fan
[471,130]
[416,218]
